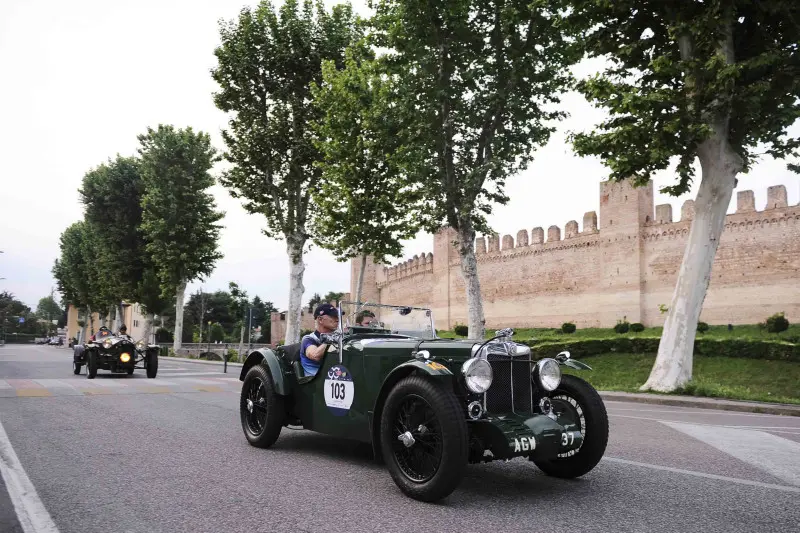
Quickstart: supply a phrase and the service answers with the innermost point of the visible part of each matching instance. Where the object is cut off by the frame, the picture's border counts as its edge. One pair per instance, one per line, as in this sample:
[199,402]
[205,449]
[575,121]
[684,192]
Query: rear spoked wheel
[261,409]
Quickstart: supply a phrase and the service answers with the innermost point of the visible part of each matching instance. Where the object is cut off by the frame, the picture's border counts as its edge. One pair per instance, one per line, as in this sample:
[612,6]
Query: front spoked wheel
[91,365]
[424,438]
[578,407]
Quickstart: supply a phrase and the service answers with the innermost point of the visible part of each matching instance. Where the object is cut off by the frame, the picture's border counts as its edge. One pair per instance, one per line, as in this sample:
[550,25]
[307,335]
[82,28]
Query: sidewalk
[200,361]
[699,402]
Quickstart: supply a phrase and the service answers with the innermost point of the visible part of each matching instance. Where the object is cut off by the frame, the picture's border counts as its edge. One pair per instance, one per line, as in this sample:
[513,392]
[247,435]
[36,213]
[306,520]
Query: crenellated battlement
[776,212]
[621,260]
[659,226]
[419,264]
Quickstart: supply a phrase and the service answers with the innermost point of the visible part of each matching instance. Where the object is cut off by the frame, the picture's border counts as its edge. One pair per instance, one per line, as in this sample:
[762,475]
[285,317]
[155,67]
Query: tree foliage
[266,64]
[262,316]
[332,296]
[478,88]
[216,307]
[676,68]
[179,219]
[112,194]
[11,310]
[239,301]
[314,301]
[49,309]
[714,81]
[365,206]
[71,270]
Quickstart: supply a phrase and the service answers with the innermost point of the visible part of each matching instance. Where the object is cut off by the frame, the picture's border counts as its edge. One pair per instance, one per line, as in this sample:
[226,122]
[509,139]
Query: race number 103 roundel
[339,390]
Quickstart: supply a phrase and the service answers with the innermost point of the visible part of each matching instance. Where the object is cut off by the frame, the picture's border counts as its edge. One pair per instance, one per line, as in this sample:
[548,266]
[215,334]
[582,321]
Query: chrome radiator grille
[511,389]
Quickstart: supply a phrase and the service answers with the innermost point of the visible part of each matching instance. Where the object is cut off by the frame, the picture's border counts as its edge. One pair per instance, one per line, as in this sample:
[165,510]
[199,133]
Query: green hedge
[747,348]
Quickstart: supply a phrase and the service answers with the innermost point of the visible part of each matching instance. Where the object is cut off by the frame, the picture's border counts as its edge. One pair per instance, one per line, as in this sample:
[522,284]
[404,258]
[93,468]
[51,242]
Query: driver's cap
[326,309]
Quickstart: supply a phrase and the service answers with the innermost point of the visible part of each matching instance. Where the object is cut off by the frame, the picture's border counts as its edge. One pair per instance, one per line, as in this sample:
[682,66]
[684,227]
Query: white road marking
[31,512]
[792,430]
[55,383]
[220,374]
[783,488]
[4,384]
[686,411]
[765,451]
[200,381]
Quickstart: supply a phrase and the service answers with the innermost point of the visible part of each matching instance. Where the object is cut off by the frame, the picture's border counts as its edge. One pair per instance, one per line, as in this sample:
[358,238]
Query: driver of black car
[123,331]
[101,333]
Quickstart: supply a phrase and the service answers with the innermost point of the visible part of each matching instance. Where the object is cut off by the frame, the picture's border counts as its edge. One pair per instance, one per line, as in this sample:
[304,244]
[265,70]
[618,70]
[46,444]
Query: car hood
[458,350]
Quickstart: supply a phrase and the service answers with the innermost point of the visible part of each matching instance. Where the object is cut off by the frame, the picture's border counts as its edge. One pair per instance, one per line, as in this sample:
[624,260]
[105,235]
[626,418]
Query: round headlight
[547,373]
[140,345]
[107,343]
[477,374]
[125,357]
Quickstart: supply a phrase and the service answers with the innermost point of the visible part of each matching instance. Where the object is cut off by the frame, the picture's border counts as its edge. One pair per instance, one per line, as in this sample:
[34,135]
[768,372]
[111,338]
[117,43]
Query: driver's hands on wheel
[329,338]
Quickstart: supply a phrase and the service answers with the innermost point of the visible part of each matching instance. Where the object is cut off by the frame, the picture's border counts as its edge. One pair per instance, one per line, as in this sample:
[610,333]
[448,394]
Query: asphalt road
[168,455]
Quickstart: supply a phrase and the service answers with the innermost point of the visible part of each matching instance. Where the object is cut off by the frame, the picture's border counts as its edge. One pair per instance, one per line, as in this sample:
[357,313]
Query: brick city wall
[625,266]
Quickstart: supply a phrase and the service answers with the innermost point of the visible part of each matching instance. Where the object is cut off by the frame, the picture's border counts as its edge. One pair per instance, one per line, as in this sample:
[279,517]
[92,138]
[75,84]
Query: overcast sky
[81,78]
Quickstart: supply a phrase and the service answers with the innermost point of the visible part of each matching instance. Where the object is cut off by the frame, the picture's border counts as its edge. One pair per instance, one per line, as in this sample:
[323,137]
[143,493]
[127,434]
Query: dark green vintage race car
[428,406]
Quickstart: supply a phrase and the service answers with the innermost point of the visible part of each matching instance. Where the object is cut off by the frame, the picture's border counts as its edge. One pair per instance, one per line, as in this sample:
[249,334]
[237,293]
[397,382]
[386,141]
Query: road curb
[200,361]
[703,403]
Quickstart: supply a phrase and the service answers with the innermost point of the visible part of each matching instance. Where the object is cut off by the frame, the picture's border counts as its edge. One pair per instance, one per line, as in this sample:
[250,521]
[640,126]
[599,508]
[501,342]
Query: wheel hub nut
[249,406]
[407,439]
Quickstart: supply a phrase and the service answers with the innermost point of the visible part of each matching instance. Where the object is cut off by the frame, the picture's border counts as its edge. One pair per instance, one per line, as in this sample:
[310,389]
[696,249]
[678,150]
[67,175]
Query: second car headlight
[547,374]
[140,345]
[477,374]
[107,344]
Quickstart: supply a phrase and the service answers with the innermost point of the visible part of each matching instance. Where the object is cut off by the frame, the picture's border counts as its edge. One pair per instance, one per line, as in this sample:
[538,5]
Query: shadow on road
[516,481]
[319,445]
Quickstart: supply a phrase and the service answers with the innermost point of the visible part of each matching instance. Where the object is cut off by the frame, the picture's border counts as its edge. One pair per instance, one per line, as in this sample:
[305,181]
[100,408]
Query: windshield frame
[360,305]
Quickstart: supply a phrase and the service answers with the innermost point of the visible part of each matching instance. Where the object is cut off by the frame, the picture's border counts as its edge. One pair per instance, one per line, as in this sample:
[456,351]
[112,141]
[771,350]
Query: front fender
[432,368]
[574,363]
[274,365]
[77,353]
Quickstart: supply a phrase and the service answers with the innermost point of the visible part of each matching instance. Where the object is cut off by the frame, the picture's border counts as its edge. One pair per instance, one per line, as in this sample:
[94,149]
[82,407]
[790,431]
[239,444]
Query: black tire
[91,364]
[150,364]
[578,401]
[261,409]
[442,444]
[76,368]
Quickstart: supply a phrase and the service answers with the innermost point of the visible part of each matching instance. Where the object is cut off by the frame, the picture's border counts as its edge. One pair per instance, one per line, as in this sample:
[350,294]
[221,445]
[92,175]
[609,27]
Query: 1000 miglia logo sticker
[339,390]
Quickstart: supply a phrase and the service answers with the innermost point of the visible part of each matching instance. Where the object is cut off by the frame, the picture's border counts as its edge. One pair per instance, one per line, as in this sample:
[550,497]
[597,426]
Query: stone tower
[369,289]
[444,251]
[624,211]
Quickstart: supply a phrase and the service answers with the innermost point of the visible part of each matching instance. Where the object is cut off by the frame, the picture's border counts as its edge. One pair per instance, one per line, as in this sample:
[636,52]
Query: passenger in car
[365,318]
[312,349]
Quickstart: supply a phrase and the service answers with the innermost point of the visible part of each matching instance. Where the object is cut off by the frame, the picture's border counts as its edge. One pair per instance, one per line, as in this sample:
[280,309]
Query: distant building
[132,316]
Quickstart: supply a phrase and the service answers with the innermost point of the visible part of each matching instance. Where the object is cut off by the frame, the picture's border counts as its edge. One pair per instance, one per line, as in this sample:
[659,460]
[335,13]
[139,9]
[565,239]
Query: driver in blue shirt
[312,347]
